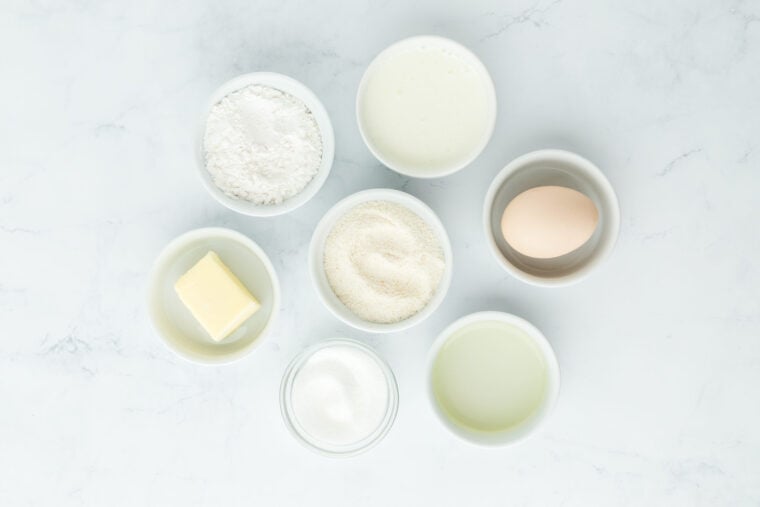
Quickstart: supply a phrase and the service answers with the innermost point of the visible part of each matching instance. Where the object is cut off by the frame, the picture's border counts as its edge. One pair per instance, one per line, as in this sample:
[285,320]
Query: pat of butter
[216,298]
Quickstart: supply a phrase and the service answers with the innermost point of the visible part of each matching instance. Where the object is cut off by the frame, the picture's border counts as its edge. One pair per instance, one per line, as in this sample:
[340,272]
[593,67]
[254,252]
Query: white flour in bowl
[262,145]
[383,261]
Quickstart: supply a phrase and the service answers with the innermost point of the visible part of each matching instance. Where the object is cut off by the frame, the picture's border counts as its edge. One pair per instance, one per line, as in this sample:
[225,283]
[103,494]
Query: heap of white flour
[262,145]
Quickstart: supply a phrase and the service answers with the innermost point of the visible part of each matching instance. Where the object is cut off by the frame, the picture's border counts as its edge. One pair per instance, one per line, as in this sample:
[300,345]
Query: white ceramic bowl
[174,323]
[565,169]
[537,419]
[316,257]
[467,55]
[326,448]
[298,90]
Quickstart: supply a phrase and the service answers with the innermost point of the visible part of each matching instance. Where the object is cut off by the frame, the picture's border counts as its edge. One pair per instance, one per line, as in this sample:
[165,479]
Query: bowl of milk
[426,107]
[493,378]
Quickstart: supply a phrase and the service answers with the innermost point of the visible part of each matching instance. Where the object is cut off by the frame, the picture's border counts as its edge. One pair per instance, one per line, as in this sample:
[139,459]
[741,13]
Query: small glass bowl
[327,448]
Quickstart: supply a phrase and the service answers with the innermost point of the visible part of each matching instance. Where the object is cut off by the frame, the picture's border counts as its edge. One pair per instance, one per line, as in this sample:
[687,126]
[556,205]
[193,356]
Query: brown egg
[550,221]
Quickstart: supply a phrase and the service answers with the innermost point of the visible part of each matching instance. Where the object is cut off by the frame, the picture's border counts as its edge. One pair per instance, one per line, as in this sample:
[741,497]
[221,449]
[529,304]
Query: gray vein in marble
[18,230]
[747,20]
[534,15]
[745,156]
[68,344]
[676,161]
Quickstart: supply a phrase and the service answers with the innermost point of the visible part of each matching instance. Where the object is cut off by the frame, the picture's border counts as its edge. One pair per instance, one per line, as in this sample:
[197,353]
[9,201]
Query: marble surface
[659,349]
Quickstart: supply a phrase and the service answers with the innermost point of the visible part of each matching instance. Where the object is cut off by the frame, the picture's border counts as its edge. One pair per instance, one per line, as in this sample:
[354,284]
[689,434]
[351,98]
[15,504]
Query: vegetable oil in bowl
[489,377]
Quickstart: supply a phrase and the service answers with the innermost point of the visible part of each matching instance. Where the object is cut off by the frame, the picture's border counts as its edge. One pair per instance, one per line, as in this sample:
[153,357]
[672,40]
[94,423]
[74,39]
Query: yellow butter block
[216,298]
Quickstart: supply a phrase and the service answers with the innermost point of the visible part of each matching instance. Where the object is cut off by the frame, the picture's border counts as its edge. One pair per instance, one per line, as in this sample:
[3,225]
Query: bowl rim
[525,430]
[376,436]
[453,168]
[574,160]
[323,228]
[178,244]
[301,92]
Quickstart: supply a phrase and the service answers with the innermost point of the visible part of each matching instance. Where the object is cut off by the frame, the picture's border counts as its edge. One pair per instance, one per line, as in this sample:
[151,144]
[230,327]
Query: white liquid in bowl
[426,106]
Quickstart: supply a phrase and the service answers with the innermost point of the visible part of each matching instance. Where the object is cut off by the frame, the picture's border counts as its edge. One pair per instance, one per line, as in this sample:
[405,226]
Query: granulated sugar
[340,395]
[262,145]
[383,261]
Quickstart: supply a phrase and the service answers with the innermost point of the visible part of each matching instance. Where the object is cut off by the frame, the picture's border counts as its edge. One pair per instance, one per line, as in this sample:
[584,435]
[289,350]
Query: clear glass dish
[329,448]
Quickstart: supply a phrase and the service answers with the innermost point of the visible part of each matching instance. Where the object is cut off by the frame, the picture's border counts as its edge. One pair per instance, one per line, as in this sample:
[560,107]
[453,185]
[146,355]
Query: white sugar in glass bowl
[338,397]
[564,169]
[316,258]
[299,91]
[174,323]
[426,106]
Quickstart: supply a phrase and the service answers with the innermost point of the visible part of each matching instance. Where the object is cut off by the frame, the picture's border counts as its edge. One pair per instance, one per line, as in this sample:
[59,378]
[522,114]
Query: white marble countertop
[659,349]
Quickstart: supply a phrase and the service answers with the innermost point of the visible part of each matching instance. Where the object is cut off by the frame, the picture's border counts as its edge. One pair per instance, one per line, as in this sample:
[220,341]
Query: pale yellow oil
[489,377]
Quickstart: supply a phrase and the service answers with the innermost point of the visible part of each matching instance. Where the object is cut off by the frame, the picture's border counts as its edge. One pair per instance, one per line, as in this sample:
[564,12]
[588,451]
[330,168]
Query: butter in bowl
[213,295]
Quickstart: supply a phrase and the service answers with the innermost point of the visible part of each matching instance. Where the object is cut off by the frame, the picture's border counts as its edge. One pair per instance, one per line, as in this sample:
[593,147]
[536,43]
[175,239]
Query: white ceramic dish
[298,90]
[450,45]
[325,448]
[552,167]
[316,258]
[174,323]
[539,417]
